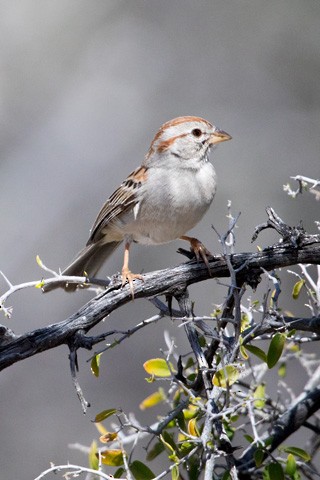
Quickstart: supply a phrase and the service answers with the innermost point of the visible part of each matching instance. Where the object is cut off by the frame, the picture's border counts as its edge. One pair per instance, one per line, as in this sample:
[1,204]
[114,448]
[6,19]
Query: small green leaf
[140,471]
[297,289]
[95,365]
[156,450]
[275,349]
[248,438]
[104,414]
[259,394]
[224,376]
[40,284]
[258,457]
[299,452]
[243,352]
[113,458]
[168,441]
[119,472]
[39,261]
[92,456]
[282,370]
[158,367]
[153,399]
[226,476]
[257,352]
[175,473]
[291,465]
[276,471]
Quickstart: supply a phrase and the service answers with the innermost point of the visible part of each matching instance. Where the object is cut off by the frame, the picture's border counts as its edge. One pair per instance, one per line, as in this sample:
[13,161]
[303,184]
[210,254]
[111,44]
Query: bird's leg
[126,274]
[199,249]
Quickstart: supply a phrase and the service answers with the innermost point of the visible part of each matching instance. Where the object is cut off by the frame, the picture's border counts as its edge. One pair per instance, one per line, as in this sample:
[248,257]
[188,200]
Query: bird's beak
[219,136]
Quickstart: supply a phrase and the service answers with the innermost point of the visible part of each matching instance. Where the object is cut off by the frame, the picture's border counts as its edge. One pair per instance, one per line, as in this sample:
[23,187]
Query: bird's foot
[128,276]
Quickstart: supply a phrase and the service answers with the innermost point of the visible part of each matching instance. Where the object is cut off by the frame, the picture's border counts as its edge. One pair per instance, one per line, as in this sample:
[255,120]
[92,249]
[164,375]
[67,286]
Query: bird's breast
[171,203]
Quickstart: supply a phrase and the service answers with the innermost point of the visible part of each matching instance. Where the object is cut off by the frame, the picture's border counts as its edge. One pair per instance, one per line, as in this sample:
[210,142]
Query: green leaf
[248,438]
[226,476]
[140,471]
[158,367]
[224,376]
[92,456]
[113,458]
[95,365]
[153,399]
[175,473]
[276,471]
[168,441]
[119,472]
[282,370]
[299,452]
[259,394]
[105,414]
[297,289]
[258,457]
[291,465]
[275,349]
[243,352]
[257,352]
[156,450]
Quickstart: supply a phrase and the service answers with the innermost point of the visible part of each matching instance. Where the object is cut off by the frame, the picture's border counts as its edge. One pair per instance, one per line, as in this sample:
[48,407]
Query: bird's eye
[196,132]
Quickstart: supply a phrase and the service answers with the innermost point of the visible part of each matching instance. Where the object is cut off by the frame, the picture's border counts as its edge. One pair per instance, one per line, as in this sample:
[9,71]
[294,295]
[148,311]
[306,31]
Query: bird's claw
[128,276]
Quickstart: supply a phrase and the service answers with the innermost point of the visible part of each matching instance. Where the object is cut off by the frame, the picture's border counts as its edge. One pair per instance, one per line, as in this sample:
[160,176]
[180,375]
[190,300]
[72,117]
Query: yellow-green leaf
[299,452]
[153,399]
[275,349]
[40,284]
[297,289]
[92,456]
[108,437]
[190,412]
[95,365]
[39,261]
[158,367]
[168,442]
[245,321]
[282,370]
[291,465]
[257,352]
[193,428]
[259,394]
[140,471]
[105,414]
[175,473]
[243,352]
[224,376]
[113,458]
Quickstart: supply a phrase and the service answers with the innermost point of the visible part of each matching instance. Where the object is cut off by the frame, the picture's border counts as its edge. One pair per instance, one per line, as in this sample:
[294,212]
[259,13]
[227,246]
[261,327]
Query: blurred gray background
[84,86]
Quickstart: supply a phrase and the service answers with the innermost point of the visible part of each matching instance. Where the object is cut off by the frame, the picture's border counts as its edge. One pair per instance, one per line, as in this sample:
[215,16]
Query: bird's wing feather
[123,199]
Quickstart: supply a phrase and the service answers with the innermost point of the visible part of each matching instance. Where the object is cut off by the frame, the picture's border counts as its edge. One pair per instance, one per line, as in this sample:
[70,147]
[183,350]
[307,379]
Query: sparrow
[158,202]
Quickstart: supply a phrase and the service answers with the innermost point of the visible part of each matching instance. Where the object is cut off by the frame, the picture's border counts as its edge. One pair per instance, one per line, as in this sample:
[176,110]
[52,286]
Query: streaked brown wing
[122,200]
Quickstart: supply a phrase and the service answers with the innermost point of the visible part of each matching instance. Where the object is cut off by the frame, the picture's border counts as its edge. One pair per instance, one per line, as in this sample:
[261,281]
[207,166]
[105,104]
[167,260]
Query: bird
[158,202]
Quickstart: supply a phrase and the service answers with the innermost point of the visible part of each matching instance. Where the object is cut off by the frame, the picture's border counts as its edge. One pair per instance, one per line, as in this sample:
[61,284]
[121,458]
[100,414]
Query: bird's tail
[87,262]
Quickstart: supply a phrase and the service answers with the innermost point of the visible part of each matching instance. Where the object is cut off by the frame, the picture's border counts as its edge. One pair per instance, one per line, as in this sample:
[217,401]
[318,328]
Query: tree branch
[296,247]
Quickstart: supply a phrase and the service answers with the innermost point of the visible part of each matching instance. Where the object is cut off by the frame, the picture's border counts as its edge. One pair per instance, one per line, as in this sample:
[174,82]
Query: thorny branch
[298,247]
[295,247]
